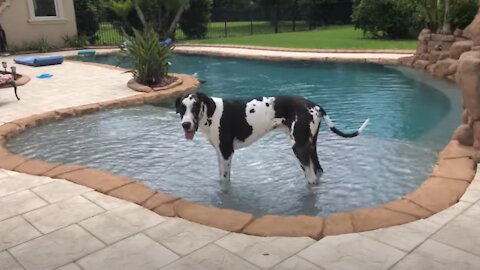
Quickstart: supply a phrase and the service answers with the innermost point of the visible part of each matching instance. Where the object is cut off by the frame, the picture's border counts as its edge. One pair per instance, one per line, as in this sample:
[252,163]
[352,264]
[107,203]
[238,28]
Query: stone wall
[455,57]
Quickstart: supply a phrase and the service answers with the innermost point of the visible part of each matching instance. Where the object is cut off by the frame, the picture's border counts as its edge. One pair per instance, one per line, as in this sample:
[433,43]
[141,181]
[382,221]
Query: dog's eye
[181,109]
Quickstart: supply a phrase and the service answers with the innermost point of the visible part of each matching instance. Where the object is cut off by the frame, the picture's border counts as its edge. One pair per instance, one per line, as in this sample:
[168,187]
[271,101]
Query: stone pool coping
[448,181]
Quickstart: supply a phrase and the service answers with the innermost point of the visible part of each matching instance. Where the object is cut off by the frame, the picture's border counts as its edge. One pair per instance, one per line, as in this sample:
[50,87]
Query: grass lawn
[333,37]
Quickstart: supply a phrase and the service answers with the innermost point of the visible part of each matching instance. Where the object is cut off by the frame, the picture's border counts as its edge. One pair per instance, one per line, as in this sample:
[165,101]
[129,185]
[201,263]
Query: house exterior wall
[21,27]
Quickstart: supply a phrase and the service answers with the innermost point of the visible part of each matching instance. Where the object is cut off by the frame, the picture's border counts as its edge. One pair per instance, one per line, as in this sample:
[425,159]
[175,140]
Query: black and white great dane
[231,124]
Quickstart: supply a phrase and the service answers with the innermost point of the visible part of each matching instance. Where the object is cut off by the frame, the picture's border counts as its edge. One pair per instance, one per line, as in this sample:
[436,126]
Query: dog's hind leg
[305,151]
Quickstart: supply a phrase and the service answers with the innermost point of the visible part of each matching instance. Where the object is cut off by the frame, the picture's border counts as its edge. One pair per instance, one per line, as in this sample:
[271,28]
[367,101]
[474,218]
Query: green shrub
[74,41]
[148,55]
[87,17]
[41,45]
[194,21]
[386,18]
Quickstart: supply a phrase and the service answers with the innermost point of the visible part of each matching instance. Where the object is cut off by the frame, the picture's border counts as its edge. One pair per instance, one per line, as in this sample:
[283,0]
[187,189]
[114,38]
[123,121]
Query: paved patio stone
[15,231]
[472,194]
[9,173]
[70,266]
[106,202]
[405,237]
[473,211]
[447,215]
[351,251]
[56,249]
[136,252]
[61,214]
[434,255]
[210,257]
[296,263]
[183,236]
[263,251]
[19,203]
[3,174]
[59,190]
[21,182]
[121,222]
[463,232]
[7,262]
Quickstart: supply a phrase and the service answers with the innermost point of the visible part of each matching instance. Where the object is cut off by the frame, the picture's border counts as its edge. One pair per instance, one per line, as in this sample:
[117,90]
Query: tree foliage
[385,18]
[87,17]
[194,21]
[161,15]
[403,18]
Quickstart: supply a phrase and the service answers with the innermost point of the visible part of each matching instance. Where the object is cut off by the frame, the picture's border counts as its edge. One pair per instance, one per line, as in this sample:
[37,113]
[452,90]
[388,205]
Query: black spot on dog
[267,104]
[209,121]
[233,125]
[252,110]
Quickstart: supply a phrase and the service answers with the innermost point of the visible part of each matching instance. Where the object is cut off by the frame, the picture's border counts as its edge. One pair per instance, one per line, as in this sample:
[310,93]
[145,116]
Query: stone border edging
[266,48]
[447,183]
[379,60]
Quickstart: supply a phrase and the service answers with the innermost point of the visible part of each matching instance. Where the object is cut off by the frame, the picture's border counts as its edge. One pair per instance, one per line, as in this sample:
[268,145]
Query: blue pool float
[36,61]
[86,52]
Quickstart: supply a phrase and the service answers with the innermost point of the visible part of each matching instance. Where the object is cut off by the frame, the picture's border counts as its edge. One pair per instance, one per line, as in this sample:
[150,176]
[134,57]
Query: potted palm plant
[150,61]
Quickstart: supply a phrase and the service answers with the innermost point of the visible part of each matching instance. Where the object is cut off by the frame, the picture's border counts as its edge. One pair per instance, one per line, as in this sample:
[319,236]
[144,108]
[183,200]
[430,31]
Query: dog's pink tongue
[189,135]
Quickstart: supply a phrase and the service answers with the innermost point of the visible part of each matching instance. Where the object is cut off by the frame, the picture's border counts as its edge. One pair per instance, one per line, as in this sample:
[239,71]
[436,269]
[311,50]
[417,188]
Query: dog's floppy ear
[207,101]
[177,103]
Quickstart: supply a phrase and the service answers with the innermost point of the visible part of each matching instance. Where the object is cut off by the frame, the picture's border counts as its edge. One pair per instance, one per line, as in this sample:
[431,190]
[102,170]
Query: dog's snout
[186,125]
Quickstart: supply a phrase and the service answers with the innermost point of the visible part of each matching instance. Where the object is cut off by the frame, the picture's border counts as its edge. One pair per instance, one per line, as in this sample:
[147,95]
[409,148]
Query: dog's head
[189,106]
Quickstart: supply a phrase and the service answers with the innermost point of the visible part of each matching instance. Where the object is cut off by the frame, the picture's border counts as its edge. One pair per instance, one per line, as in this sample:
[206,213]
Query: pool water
[412,117]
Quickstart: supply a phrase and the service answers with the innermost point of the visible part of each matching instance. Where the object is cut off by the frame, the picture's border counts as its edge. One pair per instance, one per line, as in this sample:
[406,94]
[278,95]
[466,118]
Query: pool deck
[50,223]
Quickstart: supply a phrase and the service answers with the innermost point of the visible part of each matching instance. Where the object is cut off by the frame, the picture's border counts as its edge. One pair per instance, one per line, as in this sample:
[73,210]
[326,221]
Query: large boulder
[460,47]
[468,80]
[406,61]
[464,135]
[424,35]
[421,64]
[445,67]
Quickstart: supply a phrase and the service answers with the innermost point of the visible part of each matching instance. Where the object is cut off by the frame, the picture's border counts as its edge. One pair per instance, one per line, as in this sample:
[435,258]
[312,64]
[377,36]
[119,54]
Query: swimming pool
[412,118]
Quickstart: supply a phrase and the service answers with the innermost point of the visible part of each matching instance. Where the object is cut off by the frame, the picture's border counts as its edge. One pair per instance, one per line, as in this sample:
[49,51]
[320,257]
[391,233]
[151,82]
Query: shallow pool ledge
[449,179]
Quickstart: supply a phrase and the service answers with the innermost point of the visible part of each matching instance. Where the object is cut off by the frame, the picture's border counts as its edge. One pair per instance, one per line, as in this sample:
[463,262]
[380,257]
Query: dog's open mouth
[189,135]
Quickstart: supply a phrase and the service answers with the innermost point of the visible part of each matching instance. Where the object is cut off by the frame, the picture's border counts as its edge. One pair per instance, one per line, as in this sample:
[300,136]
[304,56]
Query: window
[44,8]
[46,11]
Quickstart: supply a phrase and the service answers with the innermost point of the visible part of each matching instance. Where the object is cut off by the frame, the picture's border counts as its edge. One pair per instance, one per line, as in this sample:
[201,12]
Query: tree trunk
[173,25]
[446,28]
[140,14]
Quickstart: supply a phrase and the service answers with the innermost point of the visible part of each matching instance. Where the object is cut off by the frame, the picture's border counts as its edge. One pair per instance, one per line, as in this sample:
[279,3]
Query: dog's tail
[338,132]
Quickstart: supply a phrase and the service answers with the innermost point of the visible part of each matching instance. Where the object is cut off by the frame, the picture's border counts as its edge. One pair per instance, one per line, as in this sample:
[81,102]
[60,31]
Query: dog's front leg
[224,166]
